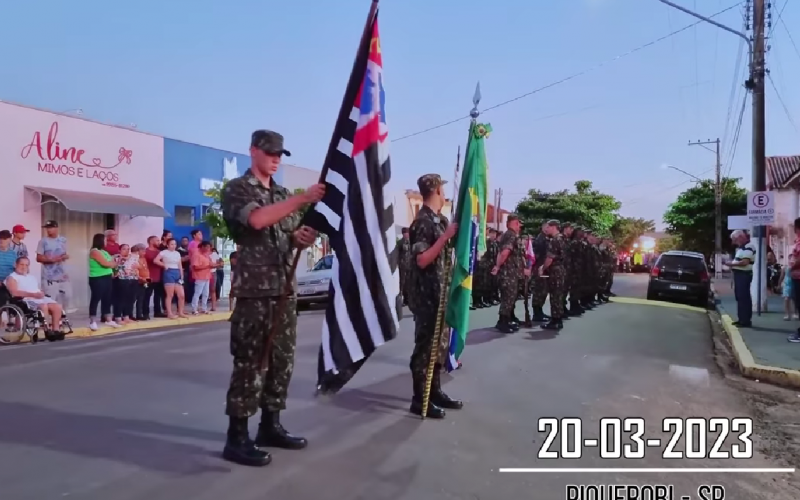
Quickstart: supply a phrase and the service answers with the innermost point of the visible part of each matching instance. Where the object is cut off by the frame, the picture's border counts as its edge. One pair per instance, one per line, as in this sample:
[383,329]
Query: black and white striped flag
[357,215]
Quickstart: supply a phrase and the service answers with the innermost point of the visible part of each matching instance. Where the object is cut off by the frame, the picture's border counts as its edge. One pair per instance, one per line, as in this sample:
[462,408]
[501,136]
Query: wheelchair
[18,320]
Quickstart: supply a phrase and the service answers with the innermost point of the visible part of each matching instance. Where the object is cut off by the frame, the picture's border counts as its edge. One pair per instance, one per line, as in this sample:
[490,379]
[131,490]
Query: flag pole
[344,112]
[441,324]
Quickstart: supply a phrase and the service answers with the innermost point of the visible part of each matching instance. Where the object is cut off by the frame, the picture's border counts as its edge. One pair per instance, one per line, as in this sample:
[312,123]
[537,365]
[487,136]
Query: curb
[744,358]
[85,332]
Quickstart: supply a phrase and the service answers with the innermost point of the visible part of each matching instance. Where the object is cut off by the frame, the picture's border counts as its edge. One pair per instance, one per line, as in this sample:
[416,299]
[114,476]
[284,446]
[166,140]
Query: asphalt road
[140,416]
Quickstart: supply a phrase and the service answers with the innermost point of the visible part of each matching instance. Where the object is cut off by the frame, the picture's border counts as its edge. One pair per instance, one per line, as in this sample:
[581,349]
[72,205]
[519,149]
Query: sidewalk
[762,350]
[80,322]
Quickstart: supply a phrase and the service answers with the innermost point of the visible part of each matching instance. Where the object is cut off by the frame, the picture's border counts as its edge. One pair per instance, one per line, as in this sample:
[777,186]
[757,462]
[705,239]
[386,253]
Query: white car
[313,285]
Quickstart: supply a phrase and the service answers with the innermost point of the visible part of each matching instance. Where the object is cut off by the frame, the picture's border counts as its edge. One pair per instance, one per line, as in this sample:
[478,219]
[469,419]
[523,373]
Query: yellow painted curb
[748,365]
[85,332]
[657,303]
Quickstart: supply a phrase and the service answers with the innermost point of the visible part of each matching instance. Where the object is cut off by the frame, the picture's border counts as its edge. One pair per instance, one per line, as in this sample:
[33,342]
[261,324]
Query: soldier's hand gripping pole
[440,328]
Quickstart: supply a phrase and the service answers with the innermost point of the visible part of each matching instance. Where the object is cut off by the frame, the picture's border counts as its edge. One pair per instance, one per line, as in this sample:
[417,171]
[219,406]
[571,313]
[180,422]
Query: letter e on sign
[760,208]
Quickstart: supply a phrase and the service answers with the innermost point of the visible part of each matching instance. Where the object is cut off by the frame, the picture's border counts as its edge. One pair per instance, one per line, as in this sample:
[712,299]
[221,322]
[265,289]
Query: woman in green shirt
[101,268]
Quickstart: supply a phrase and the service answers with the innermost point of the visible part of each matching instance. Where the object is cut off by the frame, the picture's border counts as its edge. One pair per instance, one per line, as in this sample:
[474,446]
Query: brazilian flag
[471,238]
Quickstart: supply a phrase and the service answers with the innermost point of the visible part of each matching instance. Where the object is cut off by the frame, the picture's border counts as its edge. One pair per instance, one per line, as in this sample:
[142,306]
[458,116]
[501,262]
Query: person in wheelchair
[25,287]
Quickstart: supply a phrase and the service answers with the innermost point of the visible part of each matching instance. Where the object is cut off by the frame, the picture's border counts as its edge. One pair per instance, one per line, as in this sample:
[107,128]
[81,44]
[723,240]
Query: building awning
[100,203]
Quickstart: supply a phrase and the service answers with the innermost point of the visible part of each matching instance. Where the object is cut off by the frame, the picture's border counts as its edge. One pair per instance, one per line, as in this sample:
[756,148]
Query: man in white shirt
[742,267]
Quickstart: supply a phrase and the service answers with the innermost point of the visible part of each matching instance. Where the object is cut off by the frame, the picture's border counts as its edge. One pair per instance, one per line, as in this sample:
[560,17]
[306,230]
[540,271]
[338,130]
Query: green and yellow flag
[471,238]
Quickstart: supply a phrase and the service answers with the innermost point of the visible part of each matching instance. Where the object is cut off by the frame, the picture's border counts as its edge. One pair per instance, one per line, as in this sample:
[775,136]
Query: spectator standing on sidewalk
[742,267]
[156,288]
[787,290]
[201,270]
[111,246]
[101,269]
[52,254]
[141,299]
[18,233]
[8,256]
[794,272]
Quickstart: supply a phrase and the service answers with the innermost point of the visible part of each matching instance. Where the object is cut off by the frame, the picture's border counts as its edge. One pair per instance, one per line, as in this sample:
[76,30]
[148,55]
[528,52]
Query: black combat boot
[474,305]
[438,397]
[271,433]
[504,325]
[240,449]
[587,304]
[538,315]
[514,321]
[416,402]
[575,308]
[553,324]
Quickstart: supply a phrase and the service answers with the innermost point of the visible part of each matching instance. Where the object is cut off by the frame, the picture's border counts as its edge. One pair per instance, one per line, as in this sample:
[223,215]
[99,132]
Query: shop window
[184,216]
[110,221]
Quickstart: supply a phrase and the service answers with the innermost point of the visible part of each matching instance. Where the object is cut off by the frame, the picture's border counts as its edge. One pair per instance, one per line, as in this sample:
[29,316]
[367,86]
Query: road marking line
[118,337]
[658,303]
[664,470]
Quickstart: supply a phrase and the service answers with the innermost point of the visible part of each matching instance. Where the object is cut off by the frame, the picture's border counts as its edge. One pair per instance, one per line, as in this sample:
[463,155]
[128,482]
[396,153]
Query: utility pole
[756,85]
[717,207]
[497,217]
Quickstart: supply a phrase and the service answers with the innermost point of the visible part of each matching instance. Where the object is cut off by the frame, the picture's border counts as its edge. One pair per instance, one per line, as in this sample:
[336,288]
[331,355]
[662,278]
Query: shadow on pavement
[136,442]
[483,335]
[391,395]
[542,335]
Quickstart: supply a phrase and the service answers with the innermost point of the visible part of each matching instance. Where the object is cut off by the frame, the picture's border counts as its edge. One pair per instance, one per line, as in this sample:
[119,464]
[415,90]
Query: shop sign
[56,158]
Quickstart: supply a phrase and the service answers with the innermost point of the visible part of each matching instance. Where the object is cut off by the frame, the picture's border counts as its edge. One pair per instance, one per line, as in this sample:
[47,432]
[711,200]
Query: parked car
[313,285]
[680,275]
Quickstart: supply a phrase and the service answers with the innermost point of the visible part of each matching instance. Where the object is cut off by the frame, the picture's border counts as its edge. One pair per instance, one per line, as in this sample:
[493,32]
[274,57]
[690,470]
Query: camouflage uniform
[265,258]
[589,271]
[576,250]
[540,291]
[425,289]
[612,267]
[493,282]
[603,275]
[262,270]
[556,250]
[404,248]
[483,291]
[510,272]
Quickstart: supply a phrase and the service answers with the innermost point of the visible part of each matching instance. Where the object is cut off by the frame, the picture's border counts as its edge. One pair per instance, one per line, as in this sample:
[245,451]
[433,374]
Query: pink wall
[44,149]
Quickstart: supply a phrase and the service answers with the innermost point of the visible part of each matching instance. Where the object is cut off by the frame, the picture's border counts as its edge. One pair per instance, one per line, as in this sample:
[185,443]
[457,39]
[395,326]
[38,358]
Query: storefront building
[87,176]
[190,170]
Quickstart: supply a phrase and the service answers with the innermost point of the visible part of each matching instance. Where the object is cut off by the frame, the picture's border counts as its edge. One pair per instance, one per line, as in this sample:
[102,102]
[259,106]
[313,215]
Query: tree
[585,207]
[626,230]
[213,217]
[691,216]
[668,243]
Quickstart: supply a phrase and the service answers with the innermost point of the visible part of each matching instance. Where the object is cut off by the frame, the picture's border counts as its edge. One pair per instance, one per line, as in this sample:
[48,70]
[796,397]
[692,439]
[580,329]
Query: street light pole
[717,208]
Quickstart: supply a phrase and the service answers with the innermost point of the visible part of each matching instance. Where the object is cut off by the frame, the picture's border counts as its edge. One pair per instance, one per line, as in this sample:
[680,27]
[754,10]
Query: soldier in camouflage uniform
[493,297]
[613,262]
[404,248]
[589,271]
[263,217]
[566,232]
[483,291]
[553,268]
[508,268]
[429,234]
[596,259]
[577,250]
[540,292]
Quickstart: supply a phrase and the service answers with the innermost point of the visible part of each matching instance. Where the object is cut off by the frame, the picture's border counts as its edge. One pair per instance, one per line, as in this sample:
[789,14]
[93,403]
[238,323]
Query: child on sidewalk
[789,306]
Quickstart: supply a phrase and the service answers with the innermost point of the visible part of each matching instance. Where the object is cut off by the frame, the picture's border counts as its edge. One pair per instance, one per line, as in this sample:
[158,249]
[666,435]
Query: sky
[211,72]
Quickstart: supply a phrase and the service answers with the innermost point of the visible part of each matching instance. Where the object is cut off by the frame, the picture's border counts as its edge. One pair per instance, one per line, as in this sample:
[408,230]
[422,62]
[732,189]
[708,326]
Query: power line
[791,38]
[780,99]
[568,78]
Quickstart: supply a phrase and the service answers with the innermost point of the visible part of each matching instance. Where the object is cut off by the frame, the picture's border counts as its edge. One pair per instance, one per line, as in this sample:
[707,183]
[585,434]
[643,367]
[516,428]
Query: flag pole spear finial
[476,99]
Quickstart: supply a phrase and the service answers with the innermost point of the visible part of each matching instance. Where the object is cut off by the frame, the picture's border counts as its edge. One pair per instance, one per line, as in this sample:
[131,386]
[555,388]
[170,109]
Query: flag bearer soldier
[509,268]
[553,267]
[405,264]
[263,218]
[540,283]
[577,252]
[428,235]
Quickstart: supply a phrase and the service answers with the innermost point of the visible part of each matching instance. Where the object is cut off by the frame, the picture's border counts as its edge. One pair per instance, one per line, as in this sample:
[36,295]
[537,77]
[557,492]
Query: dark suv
[680,275]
